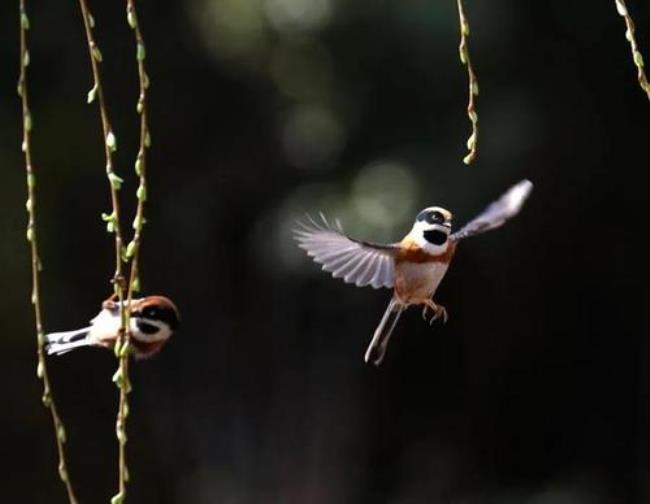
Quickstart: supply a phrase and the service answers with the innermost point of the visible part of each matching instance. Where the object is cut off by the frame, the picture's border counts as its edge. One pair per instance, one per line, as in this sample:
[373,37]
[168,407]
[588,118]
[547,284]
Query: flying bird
[152,321]
[413,267]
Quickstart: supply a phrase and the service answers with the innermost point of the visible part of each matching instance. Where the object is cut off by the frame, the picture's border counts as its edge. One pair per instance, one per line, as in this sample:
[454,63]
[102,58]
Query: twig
[636,54]
[132,251]
[120,377]
[472,141]
[32,237]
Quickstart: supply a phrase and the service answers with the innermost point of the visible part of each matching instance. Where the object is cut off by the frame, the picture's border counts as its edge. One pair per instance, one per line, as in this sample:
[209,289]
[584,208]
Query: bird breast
[416,282]
[418,274]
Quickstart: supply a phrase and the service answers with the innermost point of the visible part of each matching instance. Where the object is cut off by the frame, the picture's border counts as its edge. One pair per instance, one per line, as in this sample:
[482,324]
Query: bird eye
[150,312]
[437,217]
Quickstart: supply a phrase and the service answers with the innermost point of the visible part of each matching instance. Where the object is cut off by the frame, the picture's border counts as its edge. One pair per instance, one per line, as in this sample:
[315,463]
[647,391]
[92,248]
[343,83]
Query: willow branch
[132,251]
[32,238]
[120,377]
[472,141]
[636,54]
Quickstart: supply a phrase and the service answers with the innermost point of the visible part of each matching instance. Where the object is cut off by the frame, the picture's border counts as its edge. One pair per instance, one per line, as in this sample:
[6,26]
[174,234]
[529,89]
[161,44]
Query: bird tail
[62,342]
[377,347]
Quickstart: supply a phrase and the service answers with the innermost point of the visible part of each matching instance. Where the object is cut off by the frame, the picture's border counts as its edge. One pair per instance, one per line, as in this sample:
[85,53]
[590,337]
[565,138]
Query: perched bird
[152,320]
[413,268]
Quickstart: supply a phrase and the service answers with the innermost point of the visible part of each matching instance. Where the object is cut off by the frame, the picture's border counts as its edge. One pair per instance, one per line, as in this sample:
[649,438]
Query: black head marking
[435,236]
[146,328]
[431,217]
[162,313]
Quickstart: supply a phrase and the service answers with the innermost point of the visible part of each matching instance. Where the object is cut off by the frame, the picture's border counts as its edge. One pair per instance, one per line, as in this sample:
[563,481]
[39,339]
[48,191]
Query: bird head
[155,318]
[431,229]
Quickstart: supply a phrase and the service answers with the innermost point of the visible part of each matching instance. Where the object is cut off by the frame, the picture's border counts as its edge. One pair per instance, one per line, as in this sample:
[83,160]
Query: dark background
[536,391]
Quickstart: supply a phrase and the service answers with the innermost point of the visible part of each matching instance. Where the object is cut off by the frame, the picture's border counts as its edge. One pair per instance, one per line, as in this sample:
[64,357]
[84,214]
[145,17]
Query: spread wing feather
[359,262]
[503,209]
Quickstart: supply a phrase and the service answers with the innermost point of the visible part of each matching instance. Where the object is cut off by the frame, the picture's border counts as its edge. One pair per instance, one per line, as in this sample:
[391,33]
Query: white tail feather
[379,343]
[62,342]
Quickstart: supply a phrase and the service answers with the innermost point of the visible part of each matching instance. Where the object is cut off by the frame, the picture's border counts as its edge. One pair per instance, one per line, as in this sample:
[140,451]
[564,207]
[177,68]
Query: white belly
[418,281]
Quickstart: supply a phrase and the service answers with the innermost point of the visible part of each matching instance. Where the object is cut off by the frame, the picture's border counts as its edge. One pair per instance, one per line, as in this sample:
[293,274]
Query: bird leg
[439,311]
[110,303]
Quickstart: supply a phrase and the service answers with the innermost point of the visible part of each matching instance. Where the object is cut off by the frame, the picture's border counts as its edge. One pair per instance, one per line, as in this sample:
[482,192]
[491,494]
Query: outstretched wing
[503,209]
[358,262]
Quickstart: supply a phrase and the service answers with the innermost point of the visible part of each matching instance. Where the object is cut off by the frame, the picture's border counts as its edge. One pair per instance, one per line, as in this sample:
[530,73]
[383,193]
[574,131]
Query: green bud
[638,59]
[97,54]
[138,166]
[91,21]
[111,141]
[118,498]
[24,21]
[60,433]
[92,94]
[141,53]
[471,142]
[117,377]
[124,351]
[30,233]
[137,222]
[26,58]
[28,121]
[40,369]
[130,17]
[129,251]
[63,474]
[116,181]
[147,139]
[141,193]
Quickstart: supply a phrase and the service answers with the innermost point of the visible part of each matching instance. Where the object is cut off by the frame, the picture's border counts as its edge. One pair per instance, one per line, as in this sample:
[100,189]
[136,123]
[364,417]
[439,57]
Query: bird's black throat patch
[435,236]
[146,328]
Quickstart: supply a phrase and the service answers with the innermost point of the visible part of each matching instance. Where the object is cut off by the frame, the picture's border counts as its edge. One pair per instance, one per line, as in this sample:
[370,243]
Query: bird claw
[439,312]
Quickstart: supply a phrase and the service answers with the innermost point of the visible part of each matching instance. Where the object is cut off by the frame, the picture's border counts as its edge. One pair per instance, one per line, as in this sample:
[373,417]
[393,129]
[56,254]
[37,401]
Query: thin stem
[472,141]
[636,54]
[121,377]
[32,237]
[132,251]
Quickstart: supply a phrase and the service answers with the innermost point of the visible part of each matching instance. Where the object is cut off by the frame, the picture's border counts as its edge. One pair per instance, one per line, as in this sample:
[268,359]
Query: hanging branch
[133,248]
[112,220]
[472,141]
[132,252]
[636,54]
[32,238]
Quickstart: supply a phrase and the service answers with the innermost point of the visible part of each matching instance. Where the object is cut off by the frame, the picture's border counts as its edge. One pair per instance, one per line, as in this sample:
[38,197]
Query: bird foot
[439,312]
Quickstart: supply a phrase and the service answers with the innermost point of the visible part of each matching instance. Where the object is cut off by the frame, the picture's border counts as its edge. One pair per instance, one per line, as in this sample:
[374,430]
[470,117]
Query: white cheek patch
[417,235]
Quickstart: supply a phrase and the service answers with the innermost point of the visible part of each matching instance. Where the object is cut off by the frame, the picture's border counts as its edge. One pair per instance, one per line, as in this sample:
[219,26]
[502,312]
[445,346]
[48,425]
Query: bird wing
[503,209]
[359,262]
